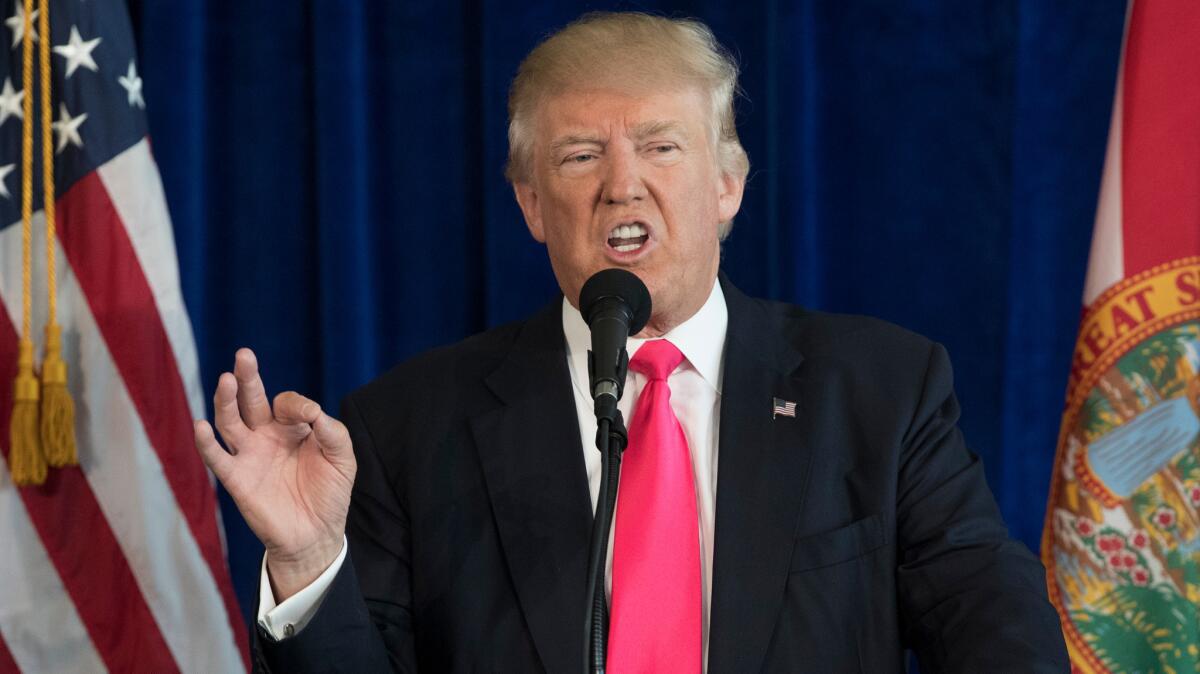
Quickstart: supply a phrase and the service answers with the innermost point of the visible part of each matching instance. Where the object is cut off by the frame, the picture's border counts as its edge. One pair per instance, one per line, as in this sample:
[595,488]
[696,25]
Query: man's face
[630,181]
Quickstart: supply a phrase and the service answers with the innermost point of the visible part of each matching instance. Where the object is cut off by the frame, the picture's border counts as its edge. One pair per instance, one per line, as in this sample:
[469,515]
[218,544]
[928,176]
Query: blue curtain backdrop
[333,170]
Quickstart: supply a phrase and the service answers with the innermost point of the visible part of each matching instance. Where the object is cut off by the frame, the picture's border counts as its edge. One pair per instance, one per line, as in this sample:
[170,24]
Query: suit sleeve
[364,623]
[971,598]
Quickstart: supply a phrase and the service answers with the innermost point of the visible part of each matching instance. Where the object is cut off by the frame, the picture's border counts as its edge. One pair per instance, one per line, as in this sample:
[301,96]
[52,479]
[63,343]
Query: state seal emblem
[1122,538]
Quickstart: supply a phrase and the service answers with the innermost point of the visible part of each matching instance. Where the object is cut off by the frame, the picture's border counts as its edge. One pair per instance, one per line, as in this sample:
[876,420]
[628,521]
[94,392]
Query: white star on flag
[78,52]
[132,84]
[17,24]
[67,128]
[4,171]
[10,102]
[152,516]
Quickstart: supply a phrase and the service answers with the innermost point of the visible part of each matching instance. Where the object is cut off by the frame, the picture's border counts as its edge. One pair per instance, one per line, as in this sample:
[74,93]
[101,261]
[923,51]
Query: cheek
[694,211]
[568,227]
[573,213]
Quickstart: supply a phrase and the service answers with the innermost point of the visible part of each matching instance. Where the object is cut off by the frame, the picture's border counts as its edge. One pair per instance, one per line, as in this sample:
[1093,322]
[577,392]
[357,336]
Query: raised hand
[290,468]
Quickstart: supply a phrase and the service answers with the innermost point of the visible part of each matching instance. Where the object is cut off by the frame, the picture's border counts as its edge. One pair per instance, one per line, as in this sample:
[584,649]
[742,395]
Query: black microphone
[615,304]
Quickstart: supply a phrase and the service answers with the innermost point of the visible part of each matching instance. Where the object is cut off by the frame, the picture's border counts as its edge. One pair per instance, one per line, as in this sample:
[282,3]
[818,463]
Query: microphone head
[620,284]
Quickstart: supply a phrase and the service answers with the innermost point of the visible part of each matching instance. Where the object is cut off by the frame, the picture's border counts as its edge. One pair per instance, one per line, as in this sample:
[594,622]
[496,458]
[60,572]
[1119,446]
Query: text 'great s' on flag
[1121,542]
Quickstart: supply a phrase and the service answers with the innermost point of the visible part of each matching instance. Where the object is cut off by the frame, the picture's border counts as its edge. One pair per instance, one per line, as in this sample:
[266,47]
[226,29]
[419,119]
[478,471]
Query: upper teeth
[628,231]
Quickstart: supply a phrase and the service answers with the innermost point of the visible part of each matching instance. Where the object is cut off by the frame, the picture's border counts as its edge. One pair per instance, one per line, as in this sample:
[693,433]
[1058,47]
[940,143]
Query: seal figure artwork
[1122,538]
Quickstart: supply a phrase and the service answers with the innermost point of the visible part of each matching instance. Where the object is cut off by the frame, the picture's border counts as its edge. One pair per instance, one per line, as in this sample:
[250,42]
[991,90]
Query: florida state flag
[1121,542]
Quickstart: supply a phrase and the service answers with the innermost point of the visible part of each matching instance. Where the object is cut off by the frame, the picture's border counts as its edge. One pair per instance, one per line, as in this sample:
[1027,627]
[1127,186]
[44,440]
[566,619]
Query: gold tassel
[58,410]
[26,461]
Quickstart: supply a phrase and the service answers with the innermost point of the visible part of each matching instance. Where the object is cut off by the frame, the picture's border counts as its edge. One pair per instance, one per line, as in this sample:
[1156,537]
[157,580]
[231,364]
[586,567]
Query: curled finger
[292,408]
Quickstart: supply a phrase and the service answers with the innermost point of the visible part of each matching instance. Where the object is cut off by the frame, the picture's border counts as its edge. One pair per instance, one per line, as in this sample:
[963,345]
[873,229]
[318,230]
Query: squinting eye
[663,149]
[579,158]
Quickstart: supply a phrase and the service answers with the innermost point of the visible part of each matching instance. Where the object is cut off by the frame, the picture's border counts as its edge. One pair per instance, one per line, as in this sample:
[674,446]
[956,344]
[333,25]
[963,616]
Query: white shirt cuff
[287,619]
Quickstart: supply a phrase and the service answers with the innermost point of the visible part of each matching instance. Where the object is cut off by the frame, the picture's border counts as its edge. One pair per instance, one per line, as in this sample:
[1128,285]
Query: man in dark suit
[445,526]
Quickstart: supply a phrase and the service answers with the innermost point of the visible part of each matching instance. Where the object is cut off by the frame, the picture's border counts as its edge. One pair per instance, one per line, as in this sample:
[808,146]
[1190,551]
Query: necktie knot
[657,359]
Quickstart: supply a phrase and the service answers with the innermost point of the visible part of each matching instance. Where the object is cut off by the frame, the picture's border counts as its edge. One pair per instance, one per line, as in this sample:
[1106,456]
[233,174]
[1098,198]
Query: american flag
[781,407]
[117,564]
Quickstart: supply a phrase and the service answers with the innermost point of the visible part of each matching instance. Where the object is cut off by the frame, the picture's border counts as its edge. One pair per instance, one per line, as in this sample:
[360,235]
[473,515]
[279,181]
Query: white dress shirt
[695,399]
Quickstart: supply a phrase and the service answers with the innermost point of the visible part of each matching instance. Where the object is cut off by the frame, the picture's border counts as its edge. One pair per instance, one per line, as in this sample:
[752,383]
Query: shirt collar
[701,338]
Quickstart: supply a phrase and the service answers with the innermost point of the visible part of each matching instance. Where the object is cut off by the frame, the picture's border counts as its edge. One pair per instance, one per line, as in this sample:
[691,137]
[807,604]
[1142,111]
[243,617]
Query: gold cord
[58,410]
[26,459]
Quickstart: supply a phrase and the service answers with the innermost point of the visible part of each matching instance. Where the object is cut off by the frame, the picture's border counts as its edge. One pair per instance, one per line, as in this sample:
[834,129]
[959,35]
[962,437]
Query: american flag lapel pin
[781,407]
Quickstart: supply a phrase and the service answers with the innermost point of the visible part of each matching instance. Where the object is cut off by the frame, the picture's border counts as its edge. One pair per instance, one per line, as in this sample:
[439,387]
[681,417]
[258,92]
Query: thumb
[333,438]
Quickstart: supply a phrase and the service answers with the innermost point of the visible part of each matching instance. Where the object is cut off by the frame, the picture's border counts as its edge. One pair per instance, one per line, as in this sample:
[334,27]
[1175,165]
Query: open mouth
[628,238]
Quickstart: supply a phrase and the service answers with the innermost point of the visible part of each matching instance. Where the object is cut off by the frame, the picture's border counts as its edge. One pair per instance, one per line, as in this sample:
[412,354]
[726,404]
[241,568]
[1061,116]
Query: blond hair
[626,50]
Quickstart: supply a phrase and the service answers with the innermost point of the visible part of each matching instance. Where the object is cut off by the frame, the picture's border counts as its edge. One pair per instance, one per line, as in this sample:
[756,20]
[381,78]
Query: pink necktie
[656,612]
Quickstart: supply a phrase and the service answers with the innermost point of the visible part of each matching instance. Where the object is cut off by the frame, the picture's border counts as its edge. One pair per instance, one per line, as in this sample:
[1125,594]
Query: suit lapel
[532,461]
[762,471]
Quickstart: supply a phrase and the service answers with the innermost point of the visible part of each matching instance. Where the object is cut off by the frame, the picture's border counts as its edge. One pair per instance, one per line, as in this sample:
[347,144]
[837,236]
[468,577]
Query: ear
[527,198]
[729,196]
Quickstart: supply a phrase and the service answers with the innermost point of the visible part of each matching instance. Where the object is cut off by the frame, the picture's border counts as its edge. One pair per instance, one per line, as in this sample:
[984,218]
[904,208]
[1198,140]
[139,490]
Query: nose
[623,180]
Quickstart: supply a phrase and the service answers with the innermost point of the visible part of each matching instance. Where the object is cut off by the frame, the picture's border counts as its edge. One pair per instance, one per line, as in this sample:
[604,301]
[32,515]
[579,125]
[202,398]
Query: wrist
[290,572]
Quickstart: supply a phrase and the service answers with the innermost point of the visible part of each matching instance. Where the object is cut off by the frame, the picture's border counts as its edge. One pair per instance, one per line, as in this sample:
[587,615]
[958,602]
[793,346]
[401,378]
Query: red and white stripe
[1148,212]
[121,558]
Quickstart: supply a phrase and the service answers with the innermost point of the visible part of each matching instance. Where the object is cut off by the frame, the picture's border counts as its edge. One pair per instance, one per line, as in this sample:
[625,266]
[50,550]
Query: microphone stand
[611,440]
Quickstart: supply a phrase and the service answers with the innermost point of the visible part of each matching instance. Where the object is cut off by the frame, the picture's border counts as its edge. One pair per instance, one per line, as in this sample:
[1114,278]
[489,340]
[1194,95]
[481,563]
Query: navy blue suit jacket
[859,528]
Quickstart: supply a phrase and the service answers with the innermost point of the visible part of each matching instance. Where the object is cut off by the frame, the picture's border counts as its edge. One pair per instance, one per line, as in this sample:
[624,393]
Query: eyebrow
[574,140]
[655,128]
[640,132]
